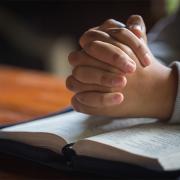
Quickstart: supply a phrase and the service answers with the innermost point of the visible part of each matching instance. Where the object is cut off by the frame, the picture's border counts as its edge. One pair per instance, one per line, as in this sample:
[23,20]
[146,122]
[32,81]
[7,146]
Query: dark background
[53,19]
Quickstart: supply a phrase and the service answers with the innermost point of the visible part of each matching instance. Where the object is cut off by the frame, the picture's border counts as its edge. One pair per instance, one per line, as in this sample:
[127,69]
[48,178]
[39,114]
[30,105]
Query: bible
[74,141]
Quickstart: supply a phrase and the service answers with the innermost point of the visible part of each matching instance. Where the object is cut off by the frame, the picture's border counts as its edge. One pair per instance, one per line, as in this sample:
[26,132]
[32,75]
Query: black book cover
[69,161]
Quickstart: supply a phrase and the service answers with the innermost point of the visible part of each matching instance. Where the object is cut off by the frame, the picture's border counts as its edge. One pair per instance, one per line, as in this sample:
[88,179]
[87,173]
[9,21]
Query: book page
[71,127]
[152,141]
[171,161]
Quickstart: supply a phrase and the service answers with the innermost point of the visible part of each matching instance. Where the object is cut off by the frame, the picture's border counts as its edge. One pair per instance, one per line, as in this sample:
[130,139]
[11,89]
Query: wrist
[164,87]
[169,95]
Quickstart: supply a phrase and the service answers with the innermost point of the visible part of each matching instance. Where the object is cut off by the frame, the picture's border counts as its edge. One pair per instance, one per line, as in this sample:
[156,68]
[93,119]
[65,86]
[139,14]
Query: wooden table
[24,95]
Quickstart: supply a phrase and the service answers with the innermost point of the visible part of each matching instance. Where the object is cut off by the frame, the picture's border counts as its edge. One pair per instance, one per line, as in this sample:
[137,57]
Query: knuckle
[136,19]
[92,46]
[135,16]
[76,72]
[129,51]
[90,34]
[71,84]
[87,36]
[68,83]
[139,46]
[102,99]
[139,17]
[123,31]
[83,38]
[117,58]
[82,74]
[104,79]
[109,21]
[78,106]
[112,69]
[81,97]
[112,89]
[82,41]
[75,104]
[72,56]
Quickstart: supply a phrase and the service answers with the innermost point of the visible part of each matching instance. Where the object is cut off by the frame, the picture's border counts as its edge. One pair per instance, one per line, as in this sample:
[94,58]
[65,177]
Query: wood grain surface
[27,94]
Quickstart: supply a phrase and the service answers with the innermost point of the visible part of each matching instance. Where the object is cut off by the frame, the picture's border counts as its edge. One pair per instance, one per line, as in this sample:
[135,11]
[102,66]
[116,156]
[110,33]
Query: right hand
[100,87]
[103,67]
[118,68]
[129,41]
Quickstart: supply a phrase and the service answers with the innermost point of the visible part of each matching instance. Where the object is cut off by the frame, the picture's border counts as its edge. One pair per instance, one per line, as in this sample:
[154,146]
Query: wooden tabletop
[26,94]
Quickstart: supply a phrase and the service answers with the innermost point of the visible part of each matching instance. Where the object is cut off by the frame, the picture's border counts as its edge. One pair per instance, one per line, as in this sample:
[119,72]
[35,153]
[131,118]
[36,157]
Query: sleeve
[175,117]
[163,39]
[165,45]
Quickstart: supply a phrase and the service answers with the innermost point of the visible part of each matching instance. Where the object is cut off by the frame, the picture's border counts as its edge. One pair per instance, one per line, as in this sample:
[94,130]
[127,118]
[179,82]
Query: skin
[109,77]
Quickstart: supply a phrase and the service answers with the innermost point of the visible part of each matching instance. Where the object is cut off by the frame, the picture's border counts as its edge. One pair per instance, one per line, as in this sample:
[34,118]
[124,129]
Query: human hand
[109,73]
[135,24]
[89,99]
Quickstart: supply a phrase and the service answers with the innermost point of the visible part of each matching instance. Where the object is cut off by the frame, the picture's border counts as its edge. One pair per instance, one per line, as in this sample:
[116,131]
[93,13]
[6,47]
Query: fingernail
[116,98]
[135,26]
[130,67]
[119,24]
[147,59]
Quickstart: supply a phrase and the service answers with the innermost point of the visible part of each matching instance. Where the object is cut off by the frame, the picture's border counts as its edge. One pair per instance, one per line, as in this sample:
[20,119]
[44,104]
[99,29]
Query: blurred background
[40,34]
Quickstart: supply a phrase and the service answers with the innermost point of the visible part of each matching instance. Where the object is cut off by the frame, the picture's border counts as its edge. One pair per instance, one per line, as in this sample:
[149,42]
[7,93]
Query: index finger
[136,24]
[126,37]
[110,54]
[110,23]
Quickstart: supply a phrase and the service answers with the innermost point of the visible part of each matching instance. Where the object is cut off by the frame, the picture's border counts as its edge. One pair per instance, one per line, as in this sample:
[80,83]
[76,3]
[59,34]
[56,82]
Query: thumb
[136,24]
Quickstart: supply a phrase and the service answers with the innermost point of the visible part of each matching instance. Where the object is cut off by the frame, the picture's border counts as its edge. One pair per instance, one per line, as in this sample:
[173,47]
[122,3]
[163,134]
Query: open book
[142,142]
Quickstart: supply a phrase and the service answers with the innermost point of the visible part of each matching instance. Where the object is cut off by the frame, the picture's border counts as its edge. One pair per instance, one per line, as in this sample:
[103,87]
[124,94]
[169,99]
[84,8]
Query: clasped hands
[115,73]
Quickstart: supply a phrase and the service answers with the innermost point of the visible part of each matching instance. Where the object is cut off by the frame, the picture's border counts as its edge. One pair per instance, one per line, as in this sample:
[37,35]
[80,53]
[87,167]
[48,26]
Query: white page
[151,140]
[171,161]
[73,126]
